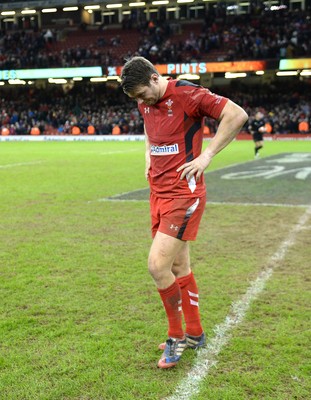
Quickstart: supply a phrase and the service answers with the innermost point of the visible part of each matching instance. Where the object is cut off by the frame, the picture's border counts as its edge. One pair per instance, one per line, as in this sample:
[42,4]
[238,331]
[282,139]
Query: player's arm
[231,120]
[250,129]
[147,155]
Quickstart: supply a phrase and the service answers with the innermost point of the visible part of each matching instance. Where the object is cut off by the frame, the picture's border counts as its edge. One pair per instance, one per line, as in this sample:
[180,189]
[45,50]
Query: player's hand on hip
[147,168]
[147,172]
[195,167]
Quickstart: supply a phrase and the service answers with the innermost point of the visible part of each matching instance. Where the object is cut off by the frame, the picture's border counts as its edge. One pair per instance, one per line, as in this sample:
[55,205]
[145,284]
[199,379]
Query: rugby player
[173,112]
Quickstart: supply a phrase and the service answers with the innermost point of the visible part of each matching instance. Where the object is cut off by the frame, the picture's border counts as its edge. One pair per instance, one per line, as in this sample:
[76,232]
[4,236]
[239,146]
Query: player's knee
[155,267]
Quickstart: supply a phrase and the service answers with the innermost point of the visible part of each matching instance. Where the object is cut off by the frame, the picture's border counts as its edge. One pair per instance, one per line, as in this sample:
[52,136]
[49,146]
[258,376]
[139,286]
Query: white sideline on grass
[4,166]
[207,358]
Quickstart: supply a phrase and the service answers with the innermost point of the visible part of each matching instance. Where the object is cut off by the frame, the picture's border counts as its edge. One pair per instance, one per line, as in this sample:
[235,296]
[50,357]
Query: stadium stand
[217,37]
[228,38]
[105,106]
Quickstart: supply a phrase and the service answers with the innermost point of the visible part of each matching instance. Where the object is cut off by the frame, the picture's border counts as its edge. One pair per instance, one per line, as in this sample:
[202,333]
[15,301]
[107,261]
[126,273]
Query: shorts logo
[164,150]
[174,227]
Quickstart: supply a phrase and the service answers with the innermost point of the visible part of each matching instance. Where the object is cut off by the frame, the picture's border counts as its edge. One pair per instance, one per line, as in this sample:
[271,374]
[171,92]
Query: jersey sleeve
[201,102]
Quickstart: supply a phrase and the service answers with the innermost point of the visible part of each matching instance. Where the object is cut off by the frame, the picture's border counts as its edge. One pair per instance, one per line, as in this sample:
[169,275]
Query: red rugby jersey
[175,130]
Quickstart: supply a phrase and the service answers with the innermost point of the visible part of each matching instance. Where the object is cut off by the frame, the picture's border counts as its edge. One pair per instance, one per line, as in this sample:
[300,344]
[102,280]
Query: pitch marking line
[112,198]
[226,203]
[119,151]
[105,153]
[207,358]
[116,196]
[20,164]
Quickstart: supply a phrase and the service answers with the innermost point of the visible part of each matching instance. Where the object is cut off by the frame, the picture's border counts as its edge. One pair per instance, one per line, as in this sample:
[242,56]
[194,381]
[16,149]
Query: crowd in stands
[53,111]
[104,109]
[287,108]
[262,35]
[20,49]
[266,35]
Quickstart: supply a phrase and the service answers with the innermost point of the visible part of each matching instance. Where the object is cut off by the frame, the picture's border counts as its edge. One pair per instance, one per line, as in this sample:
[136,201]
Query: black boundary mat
[283,179]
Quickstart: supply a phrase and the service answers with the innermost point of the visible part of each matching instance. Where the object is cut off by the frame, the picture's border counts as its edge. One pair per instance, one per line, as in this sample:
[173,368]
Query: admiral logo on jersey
[164,150]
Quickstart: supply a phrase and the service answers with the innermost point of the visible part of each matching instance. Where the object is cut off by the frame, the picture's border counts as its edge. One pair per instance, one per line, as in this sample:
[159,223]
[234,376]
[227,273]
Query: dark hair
[136,72]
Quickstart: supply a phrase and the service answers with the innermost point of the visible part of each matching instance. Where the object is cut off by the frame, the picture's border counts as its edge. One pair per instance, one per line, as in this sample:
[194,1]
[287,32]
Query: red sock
[171,298]
[190,304]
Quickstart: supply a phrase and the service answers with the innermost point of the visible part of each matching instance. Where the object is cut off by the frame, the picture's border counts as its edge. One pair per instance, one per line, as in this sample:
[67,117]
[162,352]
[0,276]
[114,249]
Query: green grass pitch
[80,317]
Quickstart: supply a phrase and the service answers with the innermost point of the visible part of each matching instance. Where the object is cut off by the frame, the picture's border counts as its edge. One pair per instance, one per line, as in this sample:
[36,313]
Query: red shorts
[176,217]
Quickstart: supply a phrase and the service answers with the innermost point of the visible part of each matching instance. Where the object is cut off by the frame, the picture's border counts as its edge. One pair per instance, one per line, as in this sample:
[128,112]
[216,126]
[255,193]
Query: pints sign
[203,68]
